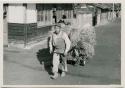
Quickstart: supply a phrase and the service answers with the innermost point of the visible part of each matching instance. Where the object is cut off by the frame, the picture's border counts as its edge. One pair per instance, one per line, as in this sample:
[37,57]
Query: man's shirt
[60,43]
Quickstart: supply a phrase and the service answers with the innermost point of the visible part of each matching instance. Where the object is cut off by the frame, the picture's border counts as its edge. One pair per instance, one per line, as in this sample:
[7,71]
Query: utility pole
[113,11]
[25,27]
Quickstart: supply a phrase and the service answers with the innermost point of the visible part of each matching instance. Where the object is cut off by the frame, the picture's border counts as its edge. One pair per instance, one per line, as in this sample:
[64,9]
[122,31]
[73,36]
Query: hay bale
[84,38]
[74,36]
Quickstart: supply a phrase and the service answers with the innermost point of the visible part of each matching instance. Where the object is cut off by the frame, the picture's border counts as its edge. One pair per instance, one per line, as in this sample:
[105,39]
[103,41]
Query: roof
[109,6]
[101,5]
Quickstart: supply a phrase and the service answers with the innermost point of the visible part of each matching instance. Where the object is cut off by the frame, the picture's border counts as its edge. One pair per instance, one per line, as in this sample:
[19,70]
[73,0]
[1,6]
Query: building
[30,23]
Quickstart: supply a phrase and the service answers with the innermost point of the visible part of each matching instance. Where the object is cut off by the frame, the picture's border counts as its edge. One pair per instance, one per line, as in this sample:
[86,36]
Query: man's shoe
[63,74]
[54,76]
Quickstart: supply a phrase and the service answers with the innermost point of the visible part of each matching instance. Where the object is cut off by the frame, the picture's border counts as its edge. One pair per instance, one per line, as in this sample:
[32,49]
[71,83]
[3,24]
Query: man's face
[57,29]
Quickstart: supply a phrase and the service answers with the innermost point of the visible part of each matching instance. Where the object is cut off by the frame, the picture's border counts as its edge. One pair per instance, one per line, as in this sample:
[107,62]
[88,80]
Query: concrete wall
[16,13]
[19,17]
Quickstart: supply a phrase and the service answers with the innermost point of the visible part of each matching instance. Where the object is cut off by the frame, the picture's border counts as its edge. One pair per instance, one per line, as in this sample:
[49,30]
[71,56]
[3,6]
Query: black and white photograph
[62,43]
[63,87]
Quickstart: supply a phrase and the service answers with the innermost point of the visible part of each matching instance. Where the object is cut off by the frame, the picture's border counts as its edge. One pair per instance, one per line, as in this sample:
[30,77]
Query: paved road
[21,67]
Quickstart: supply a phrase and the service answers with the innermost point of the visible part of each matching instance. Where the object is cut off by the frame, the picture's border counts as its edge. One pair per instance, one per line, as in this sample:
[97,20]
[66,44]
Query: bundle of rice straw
[84,38]
[88,34]
[86,48]
[74,36]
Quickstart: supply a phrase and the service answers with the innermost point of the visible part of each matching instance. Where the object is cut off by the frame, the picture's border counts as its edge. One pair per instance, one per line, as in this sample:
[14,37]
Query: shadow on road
[45,58]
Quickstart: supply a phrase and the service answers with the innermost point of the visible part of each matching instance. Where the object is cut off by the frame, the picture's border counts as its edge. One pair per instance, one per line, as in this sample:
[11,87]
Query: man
[54,17]
[59,45]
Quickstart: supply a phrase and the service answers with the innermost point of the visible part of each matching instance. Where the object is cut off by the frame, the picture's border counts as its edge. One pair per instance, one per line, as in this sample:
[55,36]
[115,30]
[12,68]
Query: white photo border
[66,1]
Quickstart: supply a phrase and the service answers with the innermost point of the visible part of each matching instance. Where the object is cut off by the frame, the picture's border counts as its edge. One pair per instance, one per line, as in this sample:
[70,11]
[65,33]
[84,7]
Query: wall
[31,13]
[98,19]
[5,32]
[16,13]
[22,25]
[83,19]
[21,19]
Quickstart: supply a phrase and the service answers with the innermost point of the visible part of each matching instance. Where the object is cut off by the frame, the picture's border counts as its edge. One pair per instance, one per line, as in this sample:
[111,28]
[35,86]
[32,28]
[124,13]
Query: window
[44,15]
[69,14]
[40,16]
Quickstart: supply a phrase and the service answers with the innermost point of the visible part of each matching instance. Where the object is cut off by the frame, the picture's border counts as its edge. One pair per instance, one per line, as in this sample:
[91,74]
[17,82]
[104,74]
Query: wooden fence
[26,33]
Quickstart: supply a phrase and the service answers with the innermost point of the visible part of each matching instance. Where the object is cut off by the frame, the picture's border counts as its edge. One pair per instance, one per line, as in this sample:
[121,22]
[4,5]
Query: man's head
[57,28]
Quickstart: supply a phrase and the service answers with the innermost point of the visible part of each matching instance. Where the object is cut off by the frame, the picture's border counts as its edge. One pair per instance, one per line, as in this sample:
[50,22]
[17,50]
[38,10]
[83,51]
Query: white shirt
[54,40]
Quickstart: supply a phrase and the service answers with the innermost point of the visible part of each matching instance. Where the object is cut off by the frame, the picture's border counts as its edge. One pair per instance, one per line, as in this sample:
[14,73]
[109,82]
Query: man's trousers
[56,61]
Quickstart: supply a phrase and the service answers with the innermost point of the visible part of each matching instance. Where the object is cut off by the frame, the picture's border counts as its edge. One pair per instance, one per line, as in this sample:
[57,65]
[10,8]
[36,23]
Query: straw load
[83,40]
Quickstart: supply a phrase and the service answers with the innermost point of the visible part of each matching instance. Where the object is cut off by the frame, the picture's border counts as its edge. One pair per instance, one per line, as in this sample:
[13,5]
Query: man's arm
[50,44]
[67,42]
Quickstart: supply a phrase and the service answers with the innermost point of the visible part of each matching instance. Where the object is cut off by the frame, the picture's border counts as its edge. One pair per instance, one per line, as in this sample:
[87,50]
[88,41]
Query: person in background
[63,19]
[54,17]
[59,45]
